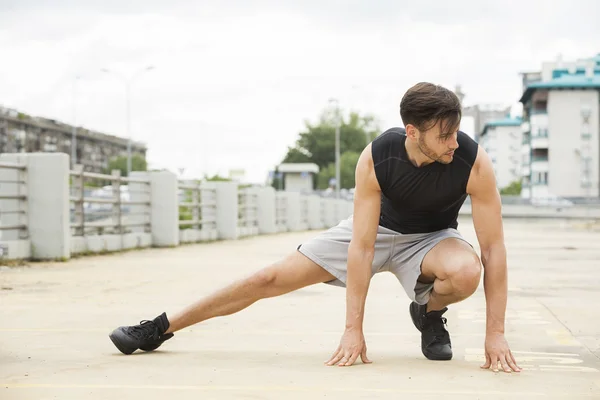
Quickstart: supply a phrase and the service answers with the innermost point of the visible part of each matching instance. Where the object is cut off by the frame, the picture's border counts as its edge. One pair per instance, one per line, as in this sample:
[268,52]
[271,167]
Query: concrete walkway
[55,319]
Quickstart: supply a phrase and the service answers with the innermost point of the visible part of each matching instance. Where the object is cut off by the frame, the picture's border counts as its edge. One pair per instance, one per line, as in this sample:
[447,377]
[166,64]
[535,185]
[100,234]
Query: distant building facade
[21,133]
[561,130]
[295,177]
[502,140]
[475,117]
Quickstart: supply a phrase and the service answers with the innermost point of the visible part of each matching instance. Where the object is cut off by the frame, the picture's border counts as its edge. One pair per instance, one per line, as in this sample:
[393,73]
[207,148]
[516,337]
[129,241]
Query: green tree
[316,144]
[513,189]
[138,163]
[216,178]
[348,162]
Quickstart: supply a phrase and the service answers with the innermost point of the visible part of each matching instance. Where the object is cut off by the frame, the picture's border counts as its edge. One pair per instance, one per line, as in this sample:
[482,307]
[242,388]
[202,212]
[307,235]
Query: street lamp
[337,146]
[74,127]
[128,82]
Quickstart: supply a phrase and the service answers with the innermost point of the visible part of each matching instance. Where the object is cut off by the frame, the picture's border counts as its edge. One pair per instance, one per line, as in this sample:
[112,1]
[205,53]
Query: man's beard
[428,152]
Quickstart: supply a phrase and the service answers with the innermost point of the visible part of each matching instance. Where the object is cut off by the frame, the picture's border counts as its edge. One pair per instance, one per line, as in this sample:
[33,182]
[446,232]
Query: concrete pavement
[55,318]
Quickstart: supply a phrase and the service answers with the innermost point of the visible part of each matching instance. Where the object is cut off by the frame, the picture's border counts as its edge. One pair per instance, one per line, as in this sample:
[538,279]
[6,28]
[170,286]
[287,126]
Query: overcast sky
[234,80]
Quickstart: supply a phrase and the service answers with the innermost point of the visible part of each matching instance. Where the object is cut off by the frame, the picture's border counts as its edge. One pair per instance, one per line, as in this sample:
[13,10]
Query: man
[410,185]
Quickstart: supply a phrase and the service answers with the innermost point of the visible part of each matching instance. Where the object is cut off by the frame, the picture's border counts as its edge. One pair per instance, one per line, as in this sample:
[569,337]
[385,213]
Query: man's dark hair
[425,104]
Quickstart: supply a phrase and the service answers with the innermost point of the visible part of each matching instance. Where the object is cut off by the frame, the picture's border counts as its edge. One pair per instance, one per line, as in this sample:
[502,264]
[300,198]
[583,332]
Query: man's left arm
[487,219]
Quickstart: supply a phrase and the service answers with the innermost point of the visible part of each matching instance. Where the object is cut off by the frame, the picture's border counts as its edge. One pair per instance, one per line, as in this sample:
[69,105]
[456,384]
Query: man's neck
[415,155]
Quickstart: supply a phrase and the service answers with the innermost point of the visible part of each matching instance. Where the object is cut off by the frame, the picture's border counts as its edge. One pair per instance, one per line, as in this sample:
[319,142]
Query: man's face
[437,145]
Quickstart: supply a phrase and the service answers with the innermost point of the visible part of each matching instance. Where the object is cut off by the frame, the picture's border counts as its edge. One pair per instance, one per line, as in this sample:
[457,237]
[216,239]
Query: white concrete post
[293,218]
[138,192]
[266,210]
[341,209]
[164,210]
[227,210]
[314,213]
[47,203]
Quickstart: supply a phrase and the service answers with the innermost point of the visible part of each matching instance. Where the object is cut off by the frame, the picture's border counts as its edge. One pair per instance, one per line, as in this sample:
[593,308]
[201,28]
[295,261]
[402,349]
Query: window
[540,178]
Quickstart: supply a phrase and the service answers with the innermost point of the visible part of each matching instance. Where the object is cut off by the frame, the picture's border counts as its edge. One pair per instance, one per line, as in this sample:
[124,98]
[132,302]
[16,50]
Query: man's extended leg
[455,271]
[293,272]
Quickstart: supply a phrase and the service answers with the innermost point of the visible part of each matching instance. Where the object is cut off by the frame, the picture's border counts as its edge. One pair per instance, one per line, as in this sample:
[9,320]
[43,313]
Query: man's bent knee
[466,274]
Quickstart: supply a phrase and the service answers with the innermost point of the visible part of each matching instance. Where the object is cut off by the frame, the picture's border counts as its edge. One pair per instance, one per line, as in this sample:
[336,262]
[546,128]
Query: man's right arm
[367,205]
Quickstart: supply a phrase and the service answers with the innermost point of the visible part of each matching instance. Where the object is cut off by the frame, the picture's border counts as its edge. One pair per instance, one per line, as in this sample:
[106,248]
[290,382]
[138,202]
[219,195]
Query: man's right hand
[351,346]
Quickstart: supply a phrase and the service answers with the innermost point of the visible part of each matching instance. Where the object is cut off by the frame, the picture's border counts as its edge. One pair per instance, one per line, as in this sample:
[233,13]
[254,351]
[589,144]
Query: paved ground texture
[55,318]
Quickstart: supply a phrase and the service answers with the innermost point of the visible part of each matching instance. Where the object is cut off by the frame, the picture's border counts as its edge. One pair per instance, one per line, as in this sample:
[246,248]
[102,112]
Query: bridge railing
[280,211]
[197,208]
[13,201]
[112,204]
[14,225]
[247,212]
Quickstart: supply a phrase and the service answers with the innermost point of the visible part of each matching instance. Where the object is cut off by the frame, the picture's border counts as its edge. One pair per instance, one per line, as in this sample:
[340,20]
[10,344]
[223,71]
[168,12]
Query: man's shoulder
[388,143]
[393,131]
[468,149]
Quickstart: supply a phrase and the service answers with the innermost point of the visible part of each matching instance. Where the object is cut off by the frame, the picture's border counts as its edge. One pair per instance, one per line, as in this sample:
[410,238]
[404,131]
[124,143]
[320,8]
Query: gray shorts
[400,254]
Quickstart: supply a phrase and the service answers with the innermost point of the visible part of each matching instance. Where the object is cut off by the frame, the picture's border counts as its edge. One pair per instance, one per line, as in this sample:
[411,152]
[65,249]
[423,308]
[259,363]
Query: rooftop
[298,168]
[502,122]
[15,116]
[563,82]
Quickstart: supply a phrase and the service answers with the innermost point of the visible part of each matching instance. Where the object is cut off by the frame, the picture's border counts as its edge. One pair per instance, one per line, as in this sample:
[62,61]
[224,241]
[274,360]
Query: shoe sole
[119,345]
[434,357]
[427,355]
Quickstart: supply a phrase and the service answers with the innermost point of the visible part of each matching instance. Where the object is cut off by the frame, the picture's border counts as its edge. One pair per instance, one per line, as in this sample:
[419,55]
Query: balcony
[539,138]
[539,142]
[539,163]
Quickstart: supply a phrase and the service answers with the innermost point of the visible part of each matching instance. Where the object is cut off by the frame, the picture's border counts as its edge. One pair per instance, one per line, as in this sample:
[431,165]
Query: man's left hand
[498,352]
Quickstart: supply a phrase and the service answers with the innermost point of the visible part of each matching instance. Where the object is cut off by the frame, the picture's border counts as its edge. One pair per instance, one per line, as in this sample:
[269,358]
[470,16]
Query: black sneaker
[435,339]
[147,336]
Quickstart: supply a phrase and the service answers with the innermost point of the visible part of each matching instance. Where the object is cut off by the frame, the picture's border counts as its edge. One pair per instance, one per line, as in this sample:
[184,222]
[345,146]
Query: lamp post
[337,147]
[74,127]
[128,82]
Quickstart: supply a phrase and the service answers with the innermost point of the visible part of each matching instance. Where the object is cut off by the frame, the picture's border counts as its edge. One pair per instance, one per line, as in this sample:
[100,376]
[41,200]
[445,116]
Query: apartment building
[22,133]
[561,126]
[502,140]
[476,116]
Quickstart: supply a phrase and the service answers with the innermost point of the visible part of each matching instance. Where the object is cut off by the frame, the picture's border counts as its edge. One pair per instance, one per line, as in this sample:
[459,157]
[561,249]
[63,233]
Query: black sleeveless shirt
[420,199]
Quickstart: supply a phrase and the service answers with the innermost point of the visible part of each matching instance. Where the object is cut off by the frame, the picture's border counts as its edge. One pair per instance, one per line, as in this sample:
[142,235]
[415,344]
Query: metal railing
[108,209]
[304,210]
[280,210]
[323,210]
[247,208]
[197,206]
[13,201]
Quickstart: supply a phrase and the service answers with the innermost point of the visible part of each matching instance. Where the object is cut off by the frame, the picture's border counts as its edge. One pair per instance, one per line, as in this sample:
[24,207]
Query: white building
[475,117]
[502,140]
[298,177]
[561,126]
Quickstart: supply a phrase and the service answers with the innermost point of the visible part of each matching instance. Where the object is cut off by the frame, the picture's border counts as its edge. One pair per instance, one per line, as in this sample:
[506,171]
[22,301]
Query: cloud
[234,80]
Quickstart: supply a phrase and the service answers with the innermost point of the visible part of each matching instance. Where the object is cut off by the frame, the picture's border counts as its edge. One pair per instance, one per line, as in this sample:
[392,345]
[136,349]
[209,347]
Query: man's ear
[411,131]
